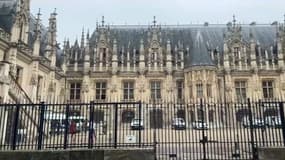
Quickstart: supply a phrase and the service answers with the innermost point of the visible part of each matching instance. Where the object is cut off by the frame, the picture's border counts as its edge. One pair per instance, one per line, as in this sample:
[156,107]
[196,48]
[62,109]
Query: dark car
[178,123]
[57,127]
[137,124]
[273,122]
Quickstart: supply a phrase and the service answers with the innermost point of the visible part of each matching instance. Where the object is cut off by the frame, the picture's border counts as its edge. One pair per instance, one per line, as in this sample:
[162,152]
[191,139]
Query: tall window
[75,90]
[155,89]
[240,87]
[267,87]
[199,88]
[236,51]
[19,75]
[128,90]
[101,88]
[180,87]
[209,90]
[236,54]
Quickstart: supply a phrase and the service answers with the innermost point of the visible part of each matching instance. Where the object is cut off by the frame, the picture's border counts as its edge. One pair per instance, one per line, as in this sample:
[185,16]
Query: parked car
[178,123]
[200,125]
[137,124]
[56,127]
[256,123]
[273,121]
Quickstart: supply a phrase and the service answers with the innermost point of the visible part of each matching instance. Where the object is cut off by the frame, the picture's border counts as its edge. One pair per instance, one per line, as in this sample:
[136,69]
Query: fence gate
[188,131]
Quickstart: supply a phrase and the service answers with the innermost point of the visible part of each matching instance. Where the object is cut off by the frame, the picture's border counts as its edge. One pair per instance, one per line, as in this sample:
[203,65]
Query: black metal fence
[196,130]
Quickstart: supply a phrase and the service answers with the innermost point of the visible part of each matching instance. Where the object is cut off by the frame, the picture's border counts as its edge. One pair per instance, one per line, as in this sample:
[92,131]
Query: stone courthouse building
[229,62]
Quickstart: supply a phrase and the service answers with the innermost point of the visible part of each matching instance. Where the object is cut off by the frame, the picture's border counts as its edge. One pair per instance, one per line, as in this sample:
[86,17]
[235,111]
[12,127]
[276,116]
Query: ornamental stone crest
[33,80]
[113,88]
[85,87]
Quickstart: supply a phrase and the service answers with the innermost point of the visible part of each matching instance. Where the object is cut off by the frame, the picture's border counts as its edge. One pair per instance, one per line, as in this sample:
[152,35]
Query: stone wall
[145,154]
[274,153]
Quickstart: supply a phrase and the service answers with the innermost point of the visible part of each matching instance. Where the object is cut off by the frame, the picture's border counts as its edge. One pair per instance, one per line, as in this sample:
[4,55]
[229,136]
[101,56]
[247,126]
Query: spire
[64,43]
[67,43]
[168,47]
[76,43]
[38,25]
[87,36]
[154,21]
[103,21]
[234,20]
[52,28]
[115,47]
[82,38]
[284,19]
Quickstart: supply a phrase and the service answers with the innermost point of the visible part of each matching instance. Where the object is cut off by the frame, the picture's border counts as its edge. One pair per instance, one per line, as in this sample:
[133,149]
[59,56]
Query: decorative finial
[103,21]
[234,20]
[154,21]
[39,14]
[83,30]
[87,34]
[54,12]
[38,25]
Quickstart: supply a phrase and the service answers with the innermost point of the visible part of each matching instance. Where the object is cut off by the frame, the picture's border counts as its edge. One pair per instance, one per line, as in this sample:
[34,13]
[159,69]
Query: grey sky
[73,15]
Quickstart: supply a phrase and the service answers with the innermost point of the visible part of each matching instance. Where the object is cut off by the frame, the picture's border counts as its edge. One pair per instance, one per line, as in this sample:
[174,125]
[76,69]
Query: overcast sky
[73,15]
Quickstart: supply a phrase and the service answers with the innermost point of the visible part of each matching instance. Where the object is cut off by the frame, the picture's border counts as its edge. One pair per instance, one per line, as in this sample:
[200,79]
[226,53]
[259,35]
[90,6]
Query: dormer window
[236,51]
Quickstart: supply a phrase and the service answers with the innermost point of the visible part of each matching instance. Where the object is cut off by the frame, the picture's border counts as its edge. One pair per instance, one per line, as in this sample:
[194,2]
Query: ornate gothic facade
[229,62]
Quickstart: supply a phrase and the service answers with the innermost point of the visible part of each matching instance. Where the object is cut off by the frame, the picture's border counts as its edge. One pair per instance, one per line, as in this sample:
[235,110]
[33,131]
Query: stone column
[4,81]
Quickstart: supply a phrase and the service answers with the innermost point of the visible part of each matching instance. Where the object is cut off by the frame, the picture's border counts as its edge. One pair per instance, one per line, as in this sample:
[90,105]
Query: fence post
[116,126]
[91,125]
[66,124]
[15,127]
[140,121]
[253,147]
[281,106]
[41,126]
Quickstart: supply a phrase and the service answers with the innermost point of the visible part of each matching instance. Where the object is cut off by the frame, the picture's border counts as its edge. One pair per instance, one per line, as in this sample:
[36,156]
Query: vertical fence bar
[116,126]
[66,124]
[91,125]
[204,138]
[253,147]
[41,126]
[140,121]
[15,127]
[281,106]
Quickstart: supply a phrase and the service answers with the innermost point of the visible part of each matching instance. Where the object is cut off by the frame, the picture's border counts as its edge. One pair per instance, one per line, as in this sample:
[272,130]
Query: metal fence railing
[196,130]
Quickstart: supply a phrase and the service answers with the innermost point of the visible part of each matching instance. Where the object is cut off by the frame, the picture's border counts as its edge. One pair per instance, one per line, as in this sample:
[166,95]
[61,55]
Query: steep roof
[7,13]
[199,39]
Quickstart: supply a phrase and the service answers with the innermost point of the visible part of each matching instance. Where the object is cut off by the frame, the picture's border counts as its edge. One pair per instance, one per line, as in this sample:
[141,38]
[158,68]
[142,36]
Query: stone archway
[181,113]
[127,116]
[98,116]
[242,113]
[156,118]
[192,116]
[211,115]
